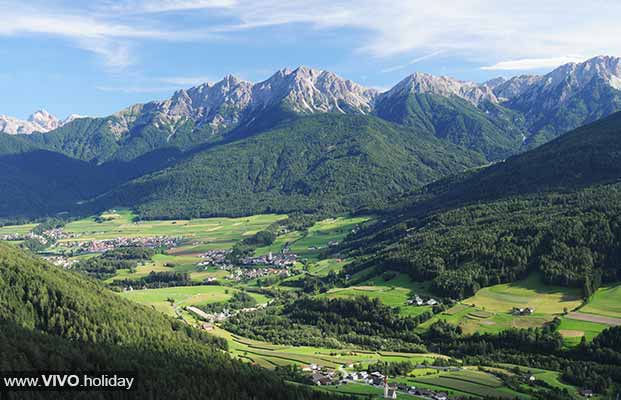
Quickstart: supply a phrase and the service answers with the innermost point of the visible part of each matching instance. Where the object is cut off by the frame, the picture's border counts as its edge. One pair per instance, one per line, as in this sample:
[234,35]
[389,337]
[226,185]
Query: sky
[97,57]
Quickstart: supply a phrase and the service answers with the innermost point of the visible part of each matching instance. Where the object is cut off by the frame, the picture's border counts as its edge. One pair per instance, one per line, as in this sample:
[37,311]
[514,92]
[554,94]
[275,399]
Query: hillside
[554,209]
[586,156]
[211,149]
[56,320]
[330,162]
[489,129]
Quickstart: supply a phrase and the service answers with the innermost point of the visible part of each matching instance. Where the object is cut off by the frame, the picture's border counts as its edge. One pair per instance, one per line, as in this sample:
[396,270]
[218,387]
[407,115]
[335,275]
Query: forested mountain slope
[555,209]
[488,128]
[331,162]
[52,319]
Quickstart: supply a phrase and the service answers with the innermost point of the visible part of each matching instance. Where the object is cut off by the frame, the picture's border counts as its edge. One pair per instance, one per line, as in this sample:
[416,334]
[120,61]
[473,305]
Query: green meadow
[573,330]
[185,296]
[270,355]
[199,234]
[489,310]
[606,301]
[394,292]
[16,229]
[310,243]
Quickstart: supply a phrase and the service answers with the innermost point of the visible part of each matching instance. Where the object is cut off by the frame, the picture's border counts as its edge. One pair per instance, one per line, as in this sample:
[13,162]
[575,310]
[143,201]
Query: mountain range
[269,145]
[39,121]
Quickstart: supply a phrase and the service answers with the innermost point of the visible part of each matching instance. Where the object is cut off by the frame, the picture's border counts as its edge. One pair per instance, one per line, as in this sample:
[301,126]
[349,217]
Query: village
[326,377]
[103,245]
[249,267]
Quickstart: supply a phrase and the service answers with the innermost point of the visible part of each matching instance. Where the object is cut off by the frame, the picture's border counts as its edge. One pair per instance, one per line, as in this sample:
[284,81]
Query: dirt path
[595,318]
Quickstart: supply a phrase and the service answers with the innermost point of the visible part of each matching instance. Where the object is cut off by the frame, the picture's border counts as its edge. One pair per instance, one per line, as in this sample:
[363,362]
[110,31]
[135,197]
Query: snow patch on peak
[615,82]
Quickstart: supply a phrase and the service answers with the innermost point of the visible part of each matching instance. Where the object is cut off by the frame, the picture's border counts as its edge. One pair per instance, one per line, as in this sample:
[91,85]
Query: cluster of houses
[244,274]
[60,261]
[219,258]
[103,245]
[45,237]
[322,377]
[282,260]
[522,311]
[216,257]
[211,318]
[419,301]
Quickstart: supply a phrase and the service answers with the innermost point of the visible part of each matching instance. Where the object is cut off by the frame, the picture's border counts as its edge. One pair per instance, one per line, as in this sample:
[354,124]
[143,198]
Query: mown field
[185,296]
[606,301]
[469,382]
[394,292]
[310,244]
[270,355]
[200,234]
[490,309]
[16,229]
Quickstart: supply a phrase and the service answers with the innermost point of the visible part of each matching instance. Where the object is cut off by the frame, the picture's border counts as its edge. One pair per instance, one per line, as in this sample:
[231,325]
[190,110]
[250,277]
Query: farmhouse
[523,311]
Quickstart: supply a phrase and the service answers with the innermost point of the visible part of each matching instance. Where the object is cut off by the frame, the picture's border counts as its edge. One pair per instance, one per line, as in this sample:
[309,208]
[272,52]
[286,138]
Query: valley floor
[491,310]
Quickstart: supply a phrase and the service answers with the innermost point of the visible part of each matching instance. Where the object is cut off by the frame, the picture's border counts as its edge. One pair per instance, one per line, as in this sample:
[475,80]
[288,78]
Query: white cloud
[161,6]
[412,62]
[109,39]
[484,31]
[531,63]
[488,32]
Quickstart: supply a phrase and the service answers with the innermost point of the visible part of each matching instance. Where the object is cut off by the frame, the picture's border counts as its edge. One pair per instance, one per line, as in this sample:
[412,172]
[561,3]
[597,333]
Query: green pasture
[310,243]
[606,301]
[573,330]
[200,234]
[16,229]
[185,296]
[530,292]
[489,310]
[266,353]
[470,382]
[394,293]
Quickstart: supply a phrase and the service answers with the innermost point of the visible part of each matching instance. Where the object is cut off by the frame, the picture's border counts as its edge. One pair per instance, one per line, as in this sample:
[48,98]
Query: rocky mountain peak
[39,121]
[421,82]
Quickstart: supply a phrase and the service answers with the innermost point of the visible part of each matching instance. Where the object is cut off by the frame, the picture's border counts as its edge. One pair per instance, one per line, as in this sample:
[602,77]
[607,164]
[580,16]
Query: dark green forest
[328,162]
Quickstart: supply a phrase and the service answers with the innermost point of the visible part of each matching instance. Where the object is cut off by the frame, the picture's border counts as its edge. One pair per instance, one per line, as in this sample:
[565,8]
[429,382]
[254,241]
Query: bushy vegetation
[106,265]
[332,323]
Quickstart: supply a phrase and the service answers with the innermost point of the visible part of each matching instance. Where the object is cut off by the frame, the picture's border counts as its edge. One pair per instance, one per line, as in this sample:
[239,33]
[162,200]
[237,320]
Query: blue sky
[96,57]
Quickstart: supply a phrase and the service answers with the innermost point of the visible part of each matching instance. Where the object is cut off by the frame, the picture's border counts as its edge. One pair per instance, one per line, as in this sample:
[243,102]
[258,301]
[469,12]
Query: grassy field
[185,296]
[606,301]
[573,330]
[490,309]
[16,229]
[311,243]
[470,382]
[530,292]
[268,354]
[200,234]
[393,293]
